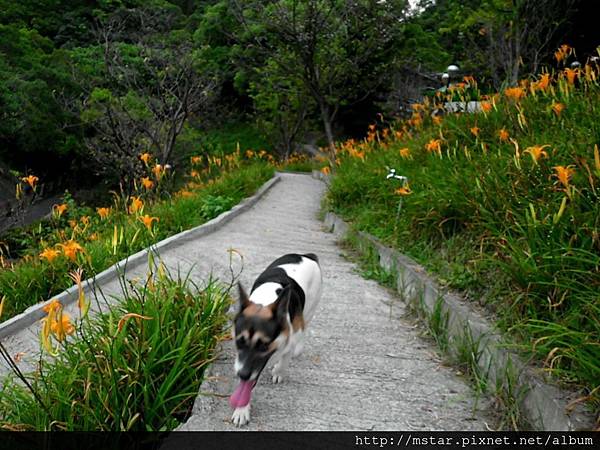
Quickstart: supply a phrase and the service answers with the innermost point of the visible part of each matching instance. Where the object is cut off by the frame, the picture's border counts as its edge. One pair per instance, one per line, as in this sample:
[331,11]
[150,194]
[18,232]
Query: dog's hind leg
[298,343]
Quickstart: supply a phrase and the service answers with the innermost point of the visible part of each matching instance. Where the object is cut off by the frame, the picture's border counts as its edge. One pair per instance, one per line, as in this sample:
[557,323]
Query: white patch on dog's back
[265,294]
[308,276]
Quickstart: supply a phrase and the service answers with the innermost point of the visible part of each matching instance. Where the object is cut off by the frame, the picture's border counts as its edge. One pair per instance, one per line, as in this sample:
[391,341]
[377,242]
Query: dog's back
[302,273]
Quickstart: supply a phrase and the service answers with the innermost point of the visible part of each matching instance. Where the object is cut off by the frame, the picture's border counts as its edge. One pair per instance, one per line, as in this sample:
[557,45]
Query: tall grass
[135,368]
[504,204]
[105,241]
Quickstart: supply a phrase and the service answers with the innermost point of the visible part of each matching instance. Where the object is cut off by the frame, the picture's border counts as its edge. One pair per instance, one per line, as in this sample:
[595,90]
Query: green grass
[119,374]
[33,280]
[494,223]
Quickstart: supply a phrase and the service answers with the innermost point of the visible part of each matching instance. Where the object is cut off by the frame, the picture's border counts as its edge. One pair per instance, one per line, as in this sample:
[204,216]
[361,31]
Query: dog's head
[258,332]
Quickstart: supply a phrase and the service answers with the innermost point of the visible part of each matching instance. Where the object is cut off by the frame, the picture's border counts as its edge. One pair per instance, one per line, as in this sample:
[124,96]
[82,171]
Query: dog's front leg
[241,416]
[281,365]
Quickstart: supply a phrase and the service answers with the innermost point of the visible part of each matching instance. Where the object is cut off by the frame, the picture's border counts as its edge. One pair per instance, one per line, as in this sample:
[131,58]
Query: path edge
[35,312]
[544,405]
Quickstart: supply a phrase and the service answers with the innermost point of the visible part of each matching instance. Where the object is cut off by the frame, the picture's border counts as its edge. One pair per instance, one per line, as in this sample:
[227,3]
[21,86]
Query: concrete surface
[364,366]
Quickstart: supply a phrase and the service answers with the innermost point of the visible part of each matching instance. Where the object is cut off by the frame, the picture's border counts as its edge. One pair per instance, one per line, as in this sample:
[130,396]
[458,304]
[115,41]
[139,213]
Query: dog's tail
[312,256]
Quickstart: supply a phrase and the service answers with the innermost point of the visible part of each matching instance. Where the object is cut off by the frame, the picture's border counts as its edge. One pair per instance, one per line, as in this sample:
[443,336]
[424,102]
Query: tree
[140,94]
[338,51]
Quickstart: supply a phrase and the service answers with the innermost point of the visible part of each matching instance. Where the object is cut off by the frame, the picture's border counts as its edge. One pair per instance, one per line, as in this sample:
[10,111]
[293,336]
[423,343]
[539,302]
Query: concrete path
[364,366]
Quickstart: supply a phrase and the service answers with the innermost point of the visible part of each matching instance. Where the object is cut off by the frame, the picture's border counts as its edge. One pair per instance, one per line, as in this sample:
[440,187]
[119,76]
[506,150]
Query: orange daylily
[405,152]
[434,145]
[558,108]
[503,135]
[31,180]
[145,157]
[405,190]
[136,205]
[475,131]
[62,326]
[147,183]
[71,248]
[158,170]
[49,254]
[562,53]
[52,306]
[326,170]
[196,159]
[514,93]
[537,152]
[437,120]
[103,212]
[486,107]
[543,82]
[59,210]
[571,74]
[147,220]
[564,174]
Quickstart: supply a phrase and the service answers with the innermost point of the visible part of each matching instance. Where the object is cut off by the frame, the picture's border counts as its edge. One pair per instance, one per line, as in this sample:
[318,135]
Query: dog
[271,322]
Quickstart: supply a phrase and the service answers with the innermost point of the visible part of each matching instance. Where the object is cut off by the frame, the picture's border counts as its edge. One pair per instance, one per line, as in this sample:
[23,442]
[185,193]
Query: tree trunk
[326,117]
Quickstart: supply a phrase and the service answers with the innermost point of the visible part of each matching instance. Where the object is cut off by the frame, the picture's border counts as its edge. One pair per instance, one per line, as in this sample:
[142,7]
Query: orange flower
[437,120]
[543,82]
[564,174]
[52,306]
[503,135]
[62,326]
[537,152]
[31,180]
[405,152]
[136,205]
[71,248]
[158,171]
[469,79]
[103,212]
[514,93]
[558,108]
[475,131]
[562,53]
[571,74]
[405,190]
[434,145]
[196,159]
[194,174]
[147,220]
[185,194]
[486,107]
[85,220]
[59,210]
[49,254]
[147,183]
[326,170]
[145,157]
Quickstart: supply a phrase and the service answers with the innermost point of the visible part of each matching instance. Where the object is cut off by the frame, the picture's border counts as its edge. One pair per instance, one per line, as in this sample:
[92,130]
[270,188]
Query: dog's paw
[241,416]
[277,378]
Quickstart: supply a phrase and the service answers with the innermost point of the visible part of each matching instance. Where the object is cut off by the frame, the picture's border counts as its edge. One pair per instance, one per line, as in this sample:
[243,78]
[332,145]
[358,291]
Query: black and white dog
[271,323]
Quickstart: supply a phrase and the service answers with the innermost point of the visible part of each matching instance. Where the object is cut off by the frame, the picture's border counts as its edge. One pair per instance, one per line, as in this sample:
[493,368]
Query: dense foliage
[503,204]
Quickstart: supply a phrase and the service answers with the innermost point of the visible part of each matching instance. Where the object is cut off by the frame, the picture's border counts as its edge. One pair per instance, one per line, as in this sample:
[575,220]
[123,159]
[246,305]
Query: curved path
[364,367]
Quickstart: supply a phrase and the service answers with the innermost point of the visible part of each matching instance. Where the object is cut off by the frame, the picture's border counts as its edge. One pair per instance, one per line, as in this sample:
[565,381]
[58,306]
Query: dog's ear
[281,306]
[244,300]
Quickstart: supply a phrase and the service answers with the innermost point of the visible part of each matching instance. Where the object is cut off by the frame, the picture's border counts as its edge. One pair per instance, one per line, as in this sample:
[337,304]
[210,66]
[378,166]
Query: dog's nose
[244,374]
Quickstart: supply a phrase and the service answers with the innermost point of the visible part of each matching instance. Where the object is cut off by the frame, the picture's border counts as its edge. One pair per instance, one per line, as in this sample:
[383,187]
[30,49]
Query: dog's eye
[241,342]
